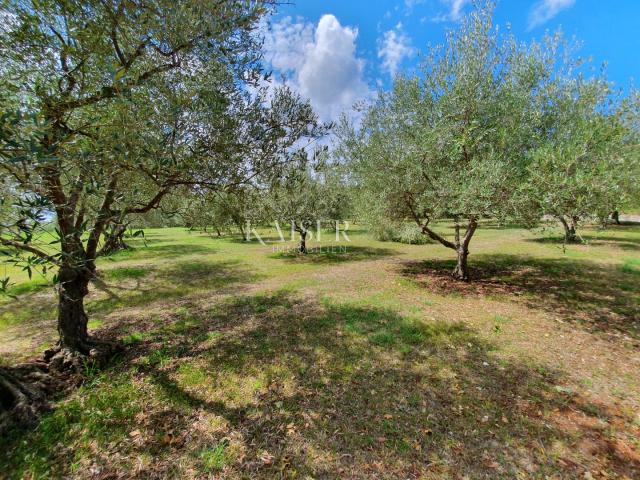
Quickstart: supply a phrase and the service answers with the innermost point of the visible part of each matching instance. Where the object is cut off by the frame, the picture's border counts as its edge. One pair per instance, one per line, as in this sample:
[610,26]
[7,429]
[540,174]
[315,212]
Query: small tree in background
[221,209]
[301,197]
[198,211]
[114,237]
[242,207]
[583,167]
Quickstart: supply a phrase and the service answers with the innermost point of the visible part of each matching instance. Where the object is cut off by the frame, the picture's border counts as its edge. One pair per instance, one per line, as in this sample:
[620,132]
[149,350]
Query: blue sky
[339,51]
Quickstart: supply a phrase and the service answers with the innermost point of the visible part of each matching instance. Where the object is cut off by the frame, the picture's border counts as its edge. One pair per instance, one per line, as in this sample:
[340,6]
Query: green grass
[126,272]
[213,459]
[369,362]
[132,338]
[631,266]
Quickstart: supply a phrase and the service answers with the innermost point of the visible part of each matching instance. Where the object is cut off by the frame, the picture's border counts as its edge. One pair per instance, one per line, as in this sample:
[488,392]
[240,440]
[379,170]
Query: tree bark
[76,348]
[72,319]
[461,272]
[570,229]
[24,390]
[242,230]
[303,242]
[114,240]
[615,216]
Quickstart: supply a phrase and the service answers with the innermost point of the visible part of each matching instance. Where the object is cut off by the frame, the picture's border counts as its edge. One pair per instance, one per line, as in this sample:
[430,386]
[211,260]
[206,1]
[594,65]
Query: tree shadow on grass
[286,387]
[331,254]
[137,252]
[625,243]
[178,280]
[253,240]
[599,297]
[165,251]
[31,318]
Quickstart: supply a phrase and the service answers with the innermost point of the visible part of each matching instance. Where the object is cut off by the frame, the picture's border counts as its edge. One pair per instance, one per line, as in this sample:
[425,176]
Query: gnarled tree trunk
[76,348]
[114,240]
[615,216]
[72,319]
[303,241]
[460,245]
[570,229]
[461,272]
[242,230]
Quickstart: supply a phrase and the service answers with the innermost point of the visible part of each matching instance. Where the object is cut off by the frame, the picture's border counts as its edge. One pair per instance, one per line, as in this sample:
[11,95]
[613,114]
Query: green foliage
[221,210]
[305,195]
[383,232]
[454,139]
[492,127]
[85,147]
[214,458]
[78,136]
[405,233]
[586,160]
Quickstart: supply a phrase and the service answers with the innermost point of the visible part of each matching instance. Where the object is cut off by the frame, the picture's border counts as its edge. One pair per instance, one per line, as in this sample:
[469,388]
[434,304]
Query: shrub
[402,233]
[383,232]
[411,234]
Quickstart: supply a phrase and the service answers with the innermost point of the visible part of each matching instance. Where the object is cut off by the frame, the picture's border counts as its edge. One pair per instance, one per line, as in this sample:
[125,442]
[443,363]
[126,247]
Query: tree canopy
[457,138]
[81,139]
[480,132]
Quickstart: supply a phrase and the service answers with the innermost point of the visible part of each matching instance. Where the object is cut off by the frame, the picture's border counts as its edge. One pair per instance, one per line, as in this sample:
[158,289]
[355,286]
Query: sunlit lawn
[245,362]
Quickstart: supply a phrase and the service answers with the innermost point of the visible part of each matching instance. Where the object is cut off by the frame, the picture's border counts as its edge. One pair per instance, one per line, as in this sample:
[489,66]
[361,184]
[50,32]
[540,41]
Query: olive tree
[223,209]
[453,141]
[585,163]
[241,207]
[80,129]
[200,211]
[302,197]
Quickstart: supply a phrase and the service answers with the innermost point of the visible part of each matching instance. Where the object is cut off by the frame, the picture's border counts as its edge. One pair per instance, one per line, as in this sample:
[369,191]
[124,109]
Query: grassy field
[243,362]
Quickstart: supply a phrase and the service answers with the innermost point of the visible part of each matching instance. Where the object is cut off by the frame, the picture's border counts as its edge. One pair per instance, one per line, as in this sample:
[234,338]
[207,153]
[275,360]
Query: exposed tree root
[24,393]
[25,389]
[87,353]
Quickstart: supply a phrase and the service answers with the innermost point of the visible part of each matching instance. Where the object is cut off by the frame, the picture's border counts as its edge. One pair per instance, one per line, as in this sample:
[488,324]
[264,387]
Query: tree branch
[31,249]
[112,90]
[103,217]
[153,203]
[471,228]
[438,238]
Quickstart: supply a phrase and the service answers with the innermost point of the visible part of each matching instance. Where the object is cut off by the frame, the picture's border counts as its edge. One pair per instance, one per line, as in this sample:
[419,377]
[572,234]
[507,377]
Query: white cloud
[319,62]
[8,20]
[454,13]
[393,47]
[456,8]
[286,42]
[545,10]
[409,4]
